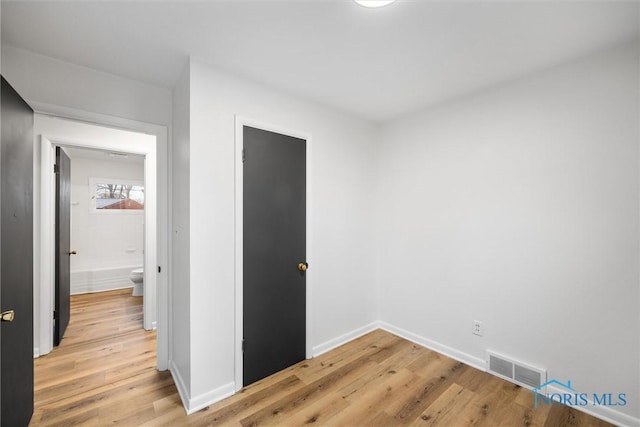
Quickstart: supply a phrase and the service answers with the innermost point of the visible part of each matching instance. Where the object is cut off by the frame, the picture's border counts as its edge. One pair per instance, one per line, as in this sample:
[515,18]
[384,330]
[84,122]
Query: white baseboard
[200,402]
[605,413]
[101,280]
[180,385]
[343,339]
[36,352]
[194,404]
[436,346]
[92,289]
[197,403]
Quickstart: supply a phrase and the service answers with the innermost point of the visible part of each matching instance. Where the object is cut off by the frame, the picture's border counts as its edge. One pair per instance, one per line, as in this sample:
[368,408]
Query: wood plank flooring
[104,373]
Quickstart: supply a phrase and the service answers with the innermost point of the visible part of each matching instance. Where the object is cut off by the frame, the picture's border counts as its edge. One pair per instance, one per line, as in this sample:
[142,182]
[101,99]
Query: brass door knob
[73,253]
[7,316]
[303,266]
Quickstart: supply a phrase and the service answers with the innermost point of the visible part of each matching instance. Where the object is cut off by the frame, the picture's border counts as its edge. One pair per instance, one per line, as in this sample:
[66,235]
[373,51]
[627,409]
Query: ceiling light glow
[374,3]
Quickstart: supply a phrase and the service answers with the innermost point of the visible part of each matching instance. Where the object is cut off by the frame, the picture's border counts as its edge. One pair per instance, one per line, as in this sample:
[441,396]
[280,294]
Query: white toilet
[137,277]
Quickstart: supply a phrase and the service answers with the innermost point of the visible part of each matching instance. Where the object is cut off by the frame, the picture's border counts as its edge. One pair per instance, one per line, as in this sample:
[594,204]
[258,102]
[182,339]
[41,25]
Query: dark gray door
[63,244]
[16,254]
[274,252]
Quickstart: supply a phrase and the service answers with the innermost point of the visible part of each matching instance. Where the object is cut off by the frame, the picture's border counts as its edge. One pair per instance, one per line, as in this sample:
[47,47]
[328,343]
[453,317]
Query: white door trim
[156,218]
[239,203]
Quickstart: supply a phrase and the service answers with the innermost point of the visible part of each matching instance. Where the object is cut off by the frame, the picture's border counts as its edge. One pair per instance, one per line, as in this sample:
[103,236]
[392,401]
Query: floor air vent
[514,371]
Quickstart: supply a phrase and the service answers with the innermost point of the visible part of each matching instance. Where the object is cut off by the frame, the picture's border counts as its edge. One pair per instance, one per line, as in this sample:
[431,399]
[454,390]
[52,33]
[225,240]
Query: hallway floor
[104,373]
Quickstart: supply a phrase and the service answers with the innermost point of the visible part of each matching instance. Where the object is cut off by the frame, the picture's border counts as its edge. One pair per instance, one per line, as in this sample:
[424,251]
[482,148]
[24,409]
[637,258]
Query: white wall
[519,207]
[342,202]
[106,243]
[180,249]
[46,80]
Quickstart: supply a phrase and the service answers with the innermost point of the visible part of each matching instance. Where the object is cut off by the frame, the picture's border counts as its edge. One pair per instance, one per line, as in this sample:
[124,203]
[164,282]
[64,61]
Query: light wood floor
[104,373]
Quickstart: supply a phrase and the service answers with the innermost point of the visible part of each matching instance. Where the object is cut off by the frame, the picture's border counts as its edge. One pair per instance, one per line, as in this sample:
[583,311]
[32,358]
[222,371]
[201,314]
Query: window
[116,196]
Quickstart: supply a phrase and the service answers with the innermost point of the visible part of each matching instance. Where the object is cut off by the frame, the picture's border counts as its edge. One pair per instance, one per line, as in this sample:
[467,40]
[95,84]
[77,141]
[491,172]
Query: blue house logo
[539,398]
[570,397]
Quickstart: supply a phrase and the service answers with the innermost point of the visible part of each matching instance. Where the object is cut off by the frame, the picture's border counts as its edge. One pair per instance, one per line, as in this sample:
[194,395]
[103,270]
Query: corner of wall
[194,404]
[460,356]
[183,390]
[203,400]
[180,310]
[343,339]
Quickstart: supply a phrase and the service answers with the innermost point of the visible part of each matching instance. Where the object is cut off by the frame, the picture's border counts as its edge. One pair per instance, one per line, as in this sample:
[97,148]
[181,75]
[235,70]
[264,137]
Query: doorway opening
[106,203]
[148,149]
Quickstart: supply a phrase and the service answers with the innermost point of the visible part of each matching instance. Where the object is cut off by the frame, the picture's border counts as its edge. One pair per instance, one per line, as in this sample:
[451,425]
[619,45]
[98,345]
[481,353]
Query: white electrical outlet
[476,328]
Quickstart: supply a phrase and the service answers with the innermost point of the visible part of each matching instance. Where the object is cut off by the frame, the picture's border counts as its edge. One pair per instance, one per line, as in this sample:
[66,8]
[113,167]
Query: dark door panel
[63,245]
[274,224]
[16,258]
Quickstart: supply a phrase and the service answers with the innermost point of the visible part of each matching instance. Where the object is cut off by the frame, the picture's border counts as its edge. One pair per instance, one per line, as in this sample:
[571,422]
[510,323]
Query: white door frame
[156,285]
[239,262]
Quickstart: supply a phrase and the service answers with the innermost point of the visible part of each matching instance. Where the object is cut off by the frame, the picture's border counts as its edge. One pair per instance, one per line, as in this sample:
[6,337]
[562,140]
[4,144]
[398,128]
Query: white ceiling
[95,154]
[375,63]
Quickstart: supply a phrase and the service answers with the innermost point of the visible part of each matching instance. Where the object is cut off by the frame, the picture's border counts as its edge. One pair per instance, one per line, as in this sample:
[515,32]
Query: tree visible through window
[119,196]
